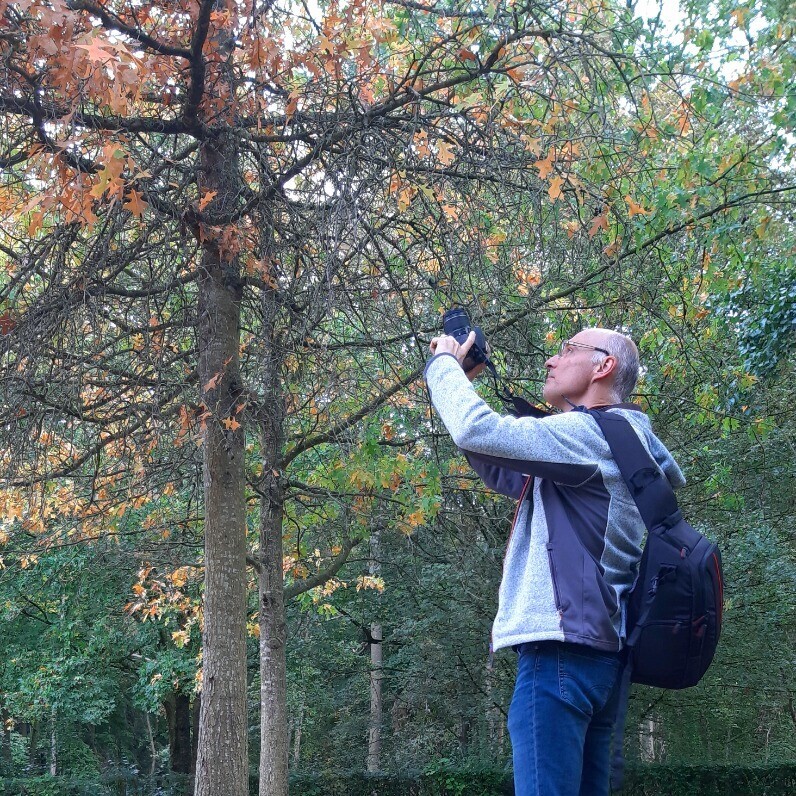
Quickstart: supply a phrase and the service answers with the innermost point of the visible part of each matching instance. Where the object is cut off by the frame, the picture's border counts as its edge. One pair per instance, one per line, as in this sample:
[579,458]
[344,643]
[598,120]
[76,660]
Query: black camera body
[456,323]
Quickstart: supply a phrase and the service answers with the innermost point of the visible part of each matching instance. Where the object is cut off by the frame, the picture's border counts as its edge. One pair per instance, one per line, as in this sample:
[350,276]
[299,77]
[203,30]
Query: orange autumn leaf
[207,197]
[599,222]
[212,383]
[230,424]
[445,153]
[554,191]
[634,208]
[545,166]
[135,203]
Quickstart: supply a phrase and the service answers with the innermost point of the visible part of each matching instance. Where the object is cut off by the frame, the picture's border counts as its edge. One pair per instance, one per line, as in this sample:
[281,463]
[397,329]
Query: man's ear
[607,367]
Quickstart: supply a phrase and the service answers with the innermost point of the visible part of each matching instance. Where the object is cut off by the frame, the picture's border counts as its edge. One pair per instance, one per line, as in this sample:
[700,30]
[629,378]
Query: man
[572,555]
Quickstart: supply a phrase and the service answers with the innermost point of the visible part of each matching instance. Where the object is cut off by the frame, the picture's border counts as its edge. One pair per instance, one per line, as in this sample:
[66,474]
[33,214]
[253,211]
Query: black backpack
[675,607]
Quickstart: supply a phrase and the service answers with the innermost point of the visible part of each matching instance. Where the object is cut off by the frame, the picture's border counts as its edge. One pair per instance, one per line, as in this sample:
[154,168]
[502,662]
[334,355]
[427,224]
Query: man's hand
[449,345]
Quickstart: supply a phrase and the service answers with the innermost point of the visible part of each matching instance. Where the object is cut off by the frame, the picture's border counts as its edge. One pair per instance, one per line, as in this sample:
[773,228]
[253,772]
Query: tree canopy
[229,230]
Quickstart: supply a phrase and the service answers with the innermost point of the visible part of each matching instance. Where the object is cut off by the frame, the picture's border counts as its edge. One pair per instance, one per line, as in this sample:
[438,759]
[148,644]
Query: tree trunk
[6,756]
[196,709]
[376,674]
[222,759]
[297,734]
[273,666]
[274,735]
[53,745]
[153,752]
[178,716]
[376,671]
[33,742]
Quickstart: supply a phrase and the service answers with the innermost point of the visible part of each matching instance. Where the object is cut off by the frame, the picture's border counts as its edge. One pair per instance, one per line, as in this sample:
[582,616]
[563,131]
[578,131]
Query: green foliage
[696,780]
[443,781]
[52,786]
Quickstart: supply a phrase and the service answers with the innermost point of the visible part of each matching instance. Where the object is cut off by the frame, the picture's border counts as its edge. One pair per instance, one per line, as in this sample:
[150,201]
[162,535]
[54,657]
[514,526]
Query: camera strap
[515,405]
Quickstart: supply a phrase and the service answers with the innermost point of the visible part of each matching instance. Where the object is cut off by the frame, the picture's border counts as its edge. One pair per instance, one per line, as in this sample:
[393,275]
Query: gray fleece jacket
[576,541]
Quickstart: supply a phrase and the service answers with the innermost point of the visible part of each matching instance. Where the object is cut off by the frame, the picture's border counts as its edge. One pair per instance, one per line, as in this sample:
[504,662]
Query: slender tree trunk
[53,745]
[196,709]
[465,727]
[376,675]
[274,735]
[273,666]
[178,716]
[297,734]
[376,671]
[222,759]
[153,754]
[6,757]
[33,742]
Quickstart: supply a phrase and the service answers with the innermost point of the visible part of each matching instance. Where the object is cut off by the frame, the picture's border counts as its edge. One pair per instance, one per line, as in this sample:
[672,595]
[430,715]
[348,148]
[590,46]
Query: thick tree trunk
[274,735]
[222,759]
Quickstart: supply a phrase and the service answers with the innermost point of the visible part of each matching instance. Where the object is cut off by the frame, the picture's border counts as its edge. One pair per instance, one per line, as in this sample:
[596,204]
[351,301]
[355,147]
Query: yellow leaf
[179,577]
[739,16]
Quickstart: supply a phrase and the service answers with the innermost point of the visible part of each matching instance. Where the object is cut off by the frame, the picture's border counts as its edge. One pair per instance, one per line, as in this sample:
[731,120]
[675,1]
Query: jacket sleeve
[501,479]
[564,448]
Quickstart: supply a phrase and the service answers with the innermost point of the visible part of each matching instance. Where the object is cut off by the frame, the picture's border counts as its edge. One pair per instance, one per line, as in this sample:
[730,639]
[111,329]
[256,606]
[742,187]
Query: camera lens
[456,323]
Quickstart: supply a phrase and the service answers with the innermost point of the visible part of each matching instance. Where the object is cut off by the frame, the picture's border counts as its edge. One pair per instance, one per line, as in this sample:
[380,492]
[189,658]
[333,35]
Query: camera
[456,323]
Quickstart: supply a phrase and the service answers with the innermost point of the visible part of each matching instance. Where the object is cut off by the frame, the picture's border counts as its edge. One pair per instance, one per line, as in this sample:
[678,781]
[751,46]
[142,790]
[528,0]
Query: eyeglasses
[568,345]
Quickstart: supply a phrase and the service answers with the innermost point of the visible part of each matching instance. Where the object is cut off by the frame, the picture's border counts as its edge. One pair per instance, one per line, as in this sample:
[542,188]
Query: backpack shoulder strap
[648,486]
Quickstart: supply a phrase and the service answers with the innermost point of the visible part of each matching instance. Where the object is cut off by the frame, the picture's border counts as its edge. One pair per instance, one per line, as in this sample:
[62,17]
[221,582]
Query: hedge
[650,780]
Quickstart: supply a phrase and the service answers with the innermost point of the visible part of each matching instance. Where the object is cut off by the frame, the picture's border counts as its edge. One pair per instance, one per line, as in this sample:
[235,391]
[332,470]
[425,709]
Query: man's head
[594,368]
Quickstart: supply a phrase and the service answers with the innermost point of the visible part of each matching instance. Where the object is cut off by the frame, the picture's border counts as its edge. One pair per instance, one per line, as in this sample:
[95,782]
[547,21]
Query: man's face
[570,372]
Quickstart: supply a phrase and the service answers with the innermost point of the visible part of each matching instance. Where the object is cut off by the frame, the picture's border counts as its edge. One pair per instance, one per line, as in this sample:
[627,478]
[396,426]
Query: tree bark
[33,742]
[274,735]
[153,754]
[53,745]
[6,755]
[376,675]
[178,716]
[297,734]
[222,759]
[273,665]
[376,670]
[196,709]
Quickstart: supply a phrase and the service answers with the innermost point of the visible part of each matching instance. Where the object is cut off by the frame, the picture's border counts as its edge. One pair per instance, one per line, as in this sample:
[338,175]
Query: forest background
[234,541]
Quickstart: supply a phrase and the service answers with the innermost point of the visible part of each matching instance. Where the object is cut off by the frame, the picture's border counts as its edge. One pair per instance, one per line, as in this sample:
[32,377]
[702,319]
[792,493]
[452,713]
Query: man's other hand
[445,344]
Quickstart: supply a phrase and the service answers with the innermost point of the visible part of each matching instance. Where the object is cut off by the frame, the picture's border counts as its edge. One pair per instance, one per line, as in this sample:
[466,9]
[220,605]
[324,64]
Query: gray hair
[624,350]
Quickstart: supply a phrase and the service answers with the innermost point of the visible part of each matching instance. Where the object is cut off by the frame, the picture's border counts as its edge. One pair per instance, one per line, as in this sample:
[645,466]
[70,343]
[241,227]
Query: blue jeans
[561,719]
